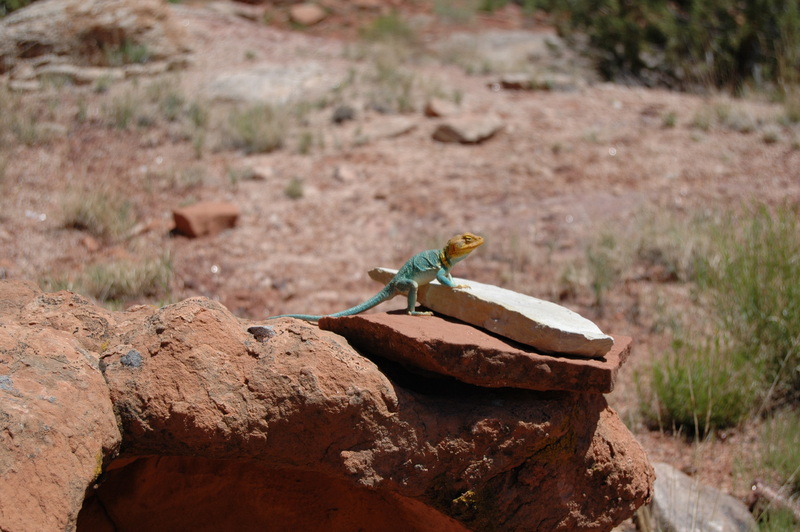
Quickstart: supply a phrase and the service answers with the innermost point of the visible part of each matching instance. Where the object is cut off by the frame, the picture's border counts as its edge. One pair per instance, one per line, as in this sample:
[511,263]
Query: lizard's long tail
[386,294]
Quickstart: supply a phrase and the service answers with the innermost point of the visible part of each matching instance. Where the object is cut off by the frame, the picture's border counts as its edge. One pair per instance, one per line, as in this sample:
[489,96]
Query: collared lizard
[419,270]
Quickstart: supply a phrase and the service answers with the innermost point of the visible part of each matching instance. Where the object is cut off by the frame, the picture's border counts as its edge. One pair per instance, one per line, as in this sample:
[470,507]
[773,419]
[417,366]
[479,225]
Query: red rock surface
[57,425]
[222,431]
[456,349]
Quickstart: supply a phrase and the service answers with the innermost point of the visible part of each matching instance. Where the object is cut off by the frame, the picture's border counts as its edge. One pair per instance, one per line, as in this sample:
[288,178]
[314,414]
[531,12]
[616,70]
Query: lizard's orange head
[464,244]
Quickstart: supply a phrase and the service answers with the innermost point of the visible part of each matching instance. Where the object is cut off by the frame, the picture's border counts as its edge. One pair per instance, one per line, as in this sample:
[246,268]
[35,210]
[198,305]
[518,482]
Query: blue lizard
[419,270]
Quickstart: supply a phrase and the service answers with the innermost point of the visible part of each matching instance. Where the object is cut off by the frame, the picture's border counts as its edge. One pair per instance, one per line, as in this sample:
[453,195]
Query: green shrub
[455,11]
[777,520]
[127,280]
[115,283]
[602,259]
[128,52]
[781,444]
[740,354]
[392,27]
[100,212]
[688,42]
[699,387]
[7,6]
[258,129]
[122,110]
[791,106]
[754,287]
[669,120]
[393,86]
[295,189]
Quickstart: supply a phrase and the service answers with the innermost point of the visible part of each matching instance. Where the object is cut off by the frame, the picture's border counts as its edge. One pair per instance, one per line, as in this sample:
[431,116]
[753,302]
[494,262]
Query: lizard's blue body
[419,270]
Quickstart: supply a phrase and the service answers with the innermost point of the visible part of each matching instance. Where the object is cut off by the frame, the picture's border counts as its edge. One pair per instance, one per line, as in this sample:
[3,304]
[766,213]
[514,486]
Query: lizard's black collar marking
[443,258]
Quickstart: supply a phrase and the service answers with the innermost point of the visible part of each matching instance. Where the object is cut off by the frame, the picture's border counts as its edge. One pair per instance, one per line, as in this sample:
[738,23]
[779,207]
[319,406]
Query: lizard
[419,270]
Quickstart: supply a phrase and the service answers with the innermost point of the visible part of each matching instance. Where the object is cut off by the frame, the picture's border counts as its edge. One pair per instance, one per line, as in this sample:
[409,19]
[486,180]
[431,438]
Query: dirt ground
[569,165]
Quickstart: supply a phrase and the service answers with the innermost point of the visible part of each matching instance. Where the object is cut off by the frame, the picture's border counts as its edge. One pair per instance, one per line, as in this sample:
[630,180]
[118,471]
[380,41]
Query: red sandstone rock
[207,218]
[453,348]
[223,431]
[57,424]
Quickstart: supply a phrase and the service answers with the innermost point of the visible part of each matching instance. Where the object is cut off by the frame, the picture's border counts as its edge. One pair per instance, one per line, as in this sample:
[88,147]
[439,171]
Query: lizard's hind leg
[411,287]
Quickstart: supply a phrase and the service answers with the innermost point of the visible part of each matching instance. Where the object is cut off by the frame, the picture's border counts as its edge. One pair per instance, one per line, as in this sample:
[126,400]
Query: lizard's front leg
[412,287]
[444,277]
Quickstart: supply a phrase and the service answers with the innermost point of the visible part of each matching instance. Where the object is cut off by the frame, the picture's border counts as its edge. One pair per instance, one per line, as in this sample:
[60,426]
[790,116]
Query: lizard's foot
[420,313]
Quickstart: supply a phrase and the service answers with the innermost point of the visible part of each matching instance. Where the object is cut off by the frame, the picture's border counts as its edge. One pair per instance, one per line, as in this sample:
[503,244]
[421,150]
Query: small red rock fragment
[206,218]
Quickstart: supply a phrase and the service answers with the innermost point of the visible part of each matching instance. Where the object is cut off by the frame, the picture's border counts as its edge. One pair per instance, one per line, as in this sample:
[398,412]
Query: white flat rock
[524,319]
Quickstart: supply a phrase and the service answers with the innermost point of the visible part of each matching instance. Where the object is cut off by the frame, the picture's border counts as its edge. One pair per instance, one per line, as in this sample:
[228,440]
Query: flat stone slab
[534,322]
[449,347]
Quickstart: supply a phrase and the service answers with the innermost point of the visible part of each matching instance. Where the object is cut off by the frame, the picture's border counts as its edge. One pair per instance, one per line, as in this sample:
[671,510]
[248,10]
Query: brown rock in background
[205,218]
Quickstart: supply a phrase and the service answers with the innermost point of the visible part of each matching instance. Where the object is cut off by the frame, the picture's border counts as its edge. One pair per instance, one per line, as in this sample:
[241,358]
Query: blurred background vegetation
[685,44]
[688,43]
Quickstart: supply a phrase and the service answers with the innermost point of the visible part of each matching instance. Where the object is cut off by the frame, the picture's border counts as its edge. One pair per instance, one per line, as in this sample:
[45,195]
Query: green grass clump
[393,85]
[791,105]
[697,388]
[602,259]
[258,129]
[754,287]
[741,354]
[118,282]
[392,27]
[128,52]
[781,444]
[100,212]
[122,110]
[161,101]
[777,520]
[295,189]
[725,116]
[455,11]
[780,453]
[121,281]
